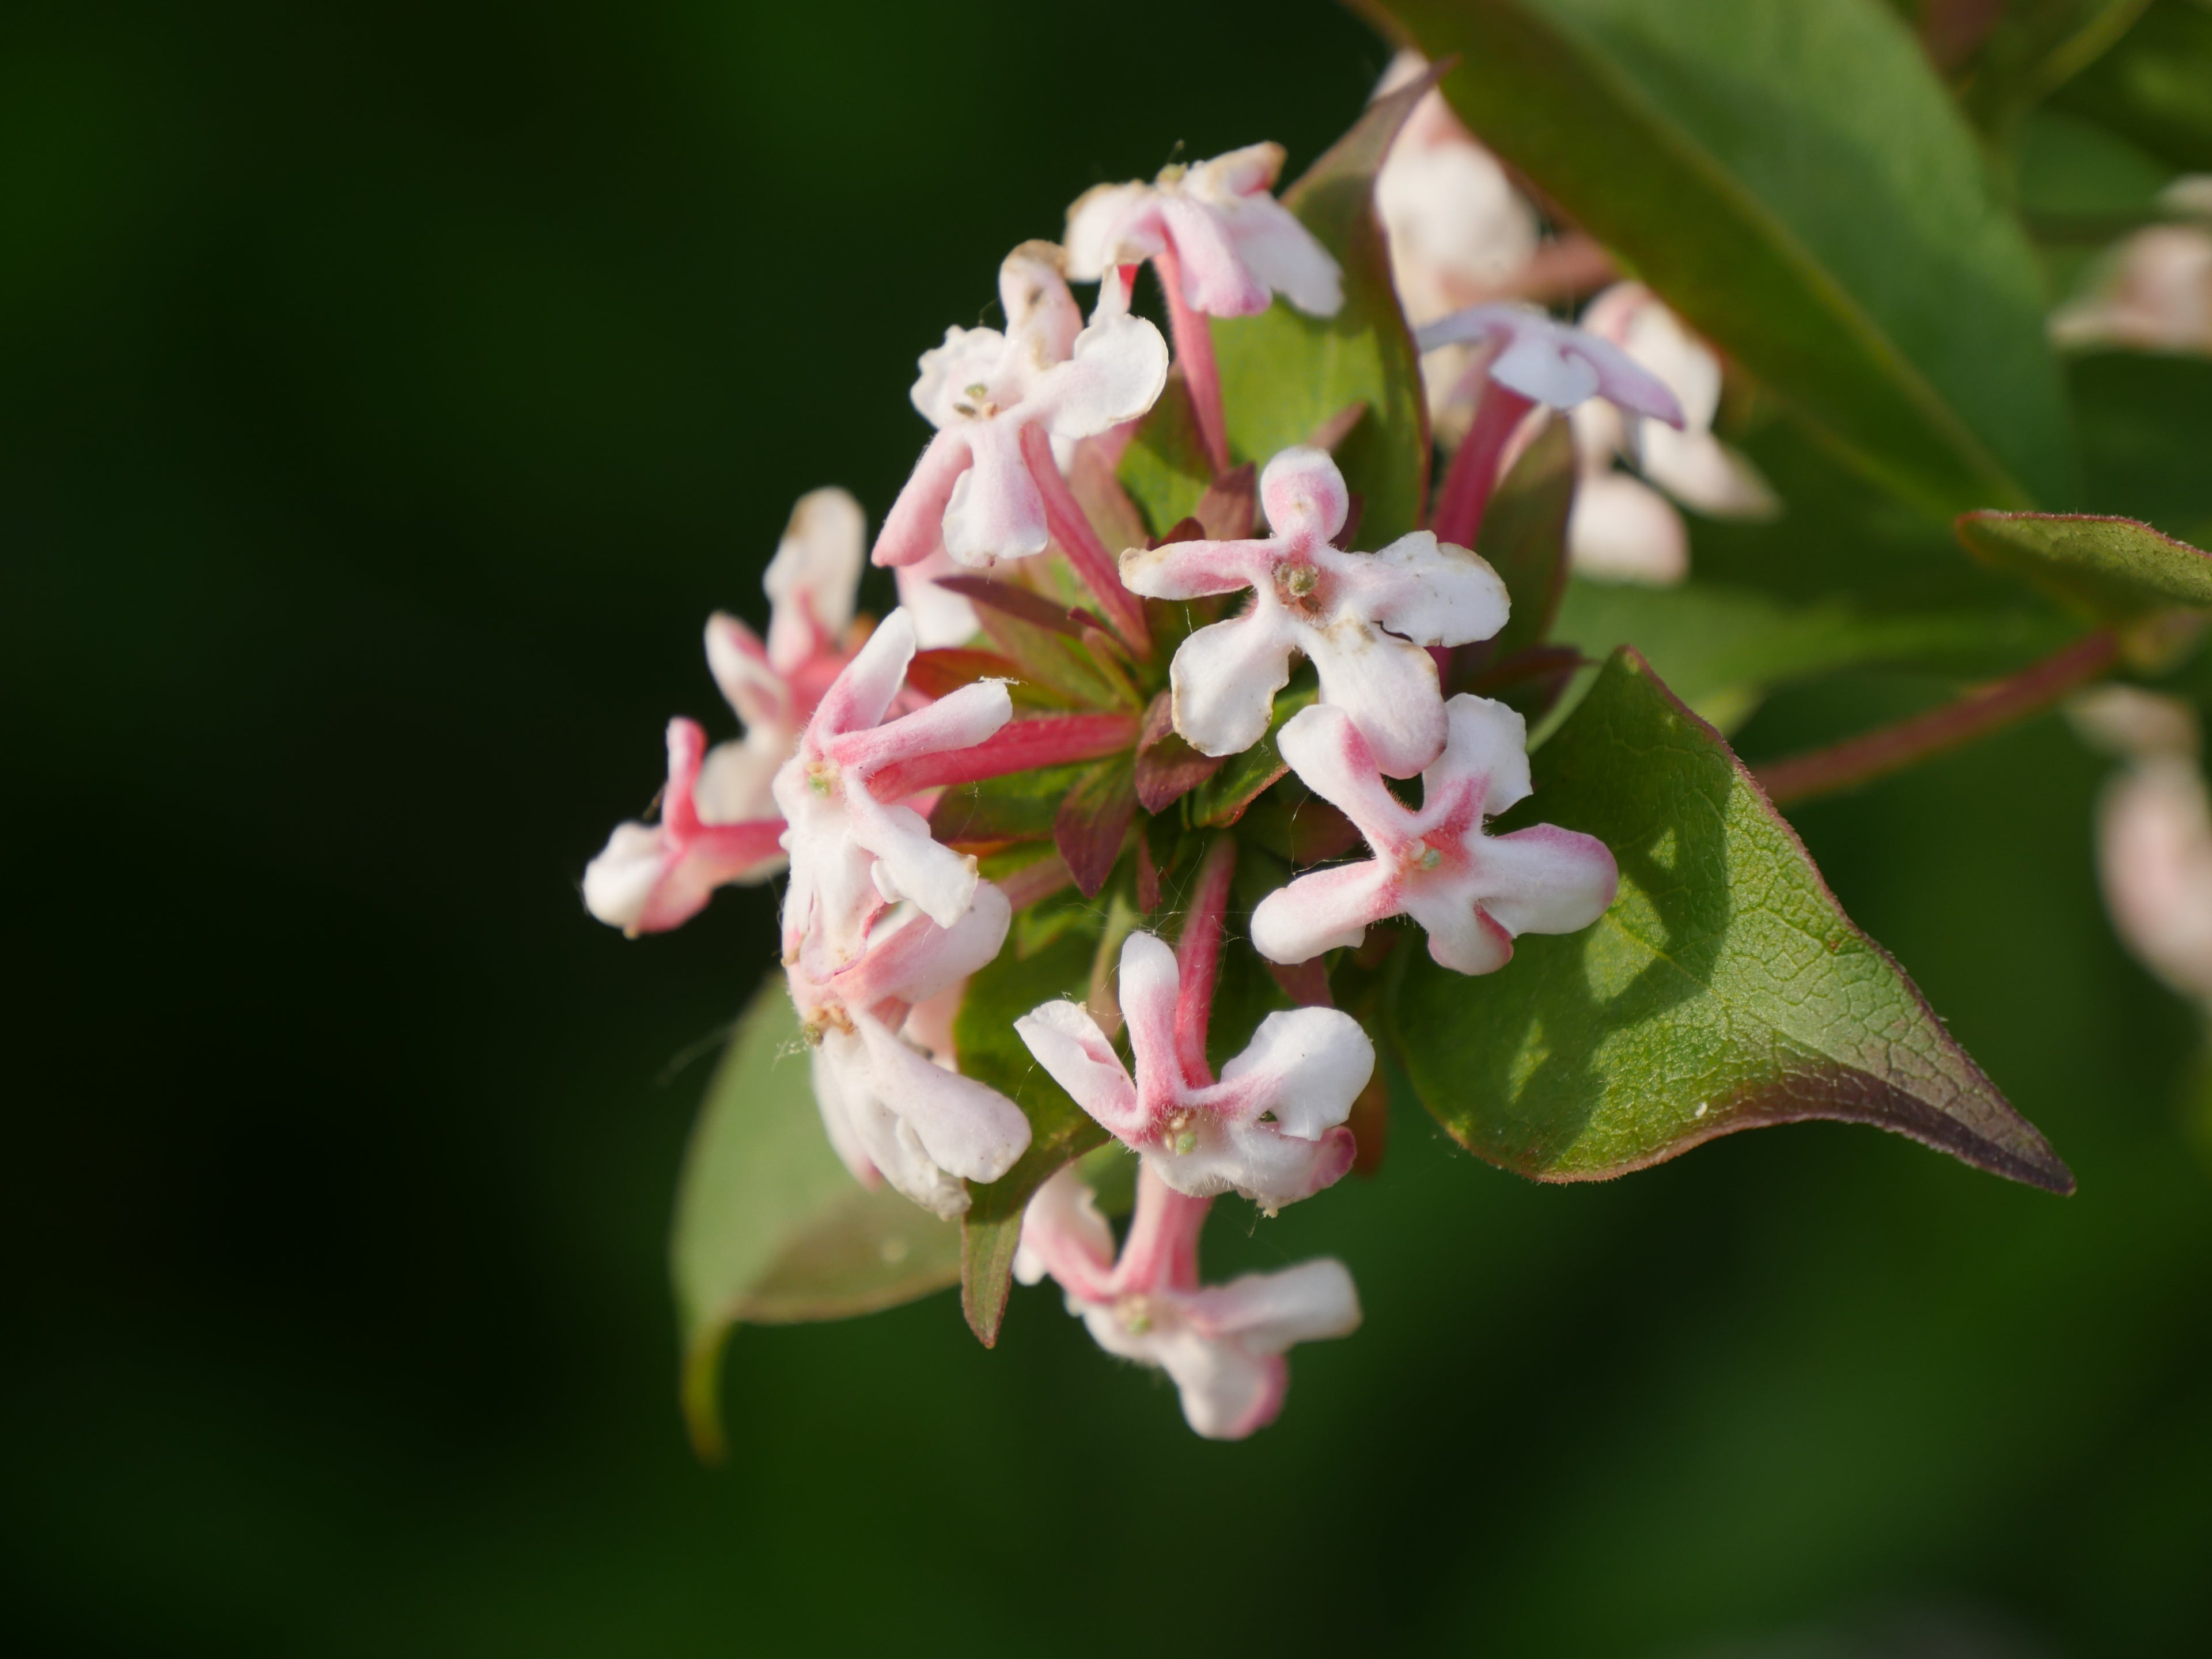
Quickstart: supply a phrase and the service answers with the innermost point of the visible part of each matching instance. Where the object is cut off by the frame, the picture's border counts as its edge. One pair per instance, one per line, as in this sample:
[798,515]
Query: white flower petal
[1323,911]
[1488,740]
[1285,256]
[1117,373]
[1430,592]
[965,1127]
[1304,1065]
[845,1138]
[1388,686]
[1070,1047]
[813,578]
[1268,1313]
[996,511]
[619,882]
[1622,530]
[1545,879]
[1225,677]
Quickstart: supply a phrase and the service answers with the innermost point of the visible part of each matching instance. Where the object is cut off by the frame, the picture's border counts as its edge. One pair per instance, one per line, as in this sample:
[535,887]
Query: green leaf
[1794,181]
[771,1227]
[1719,648]
[1222,799]
[1285,375]
[1165,468]
[2108,570]
[1060,1130]
[1019,806]
[2151,87]
[1724,990]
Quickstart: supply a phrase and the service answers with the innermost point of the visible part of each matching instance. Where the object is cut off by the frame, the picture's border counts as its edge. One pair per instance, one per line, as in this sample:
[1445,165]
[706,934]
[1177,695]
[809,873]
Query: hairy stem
[1985,709]
[1194,350]
[1071,528]
[1474,463]
[1161,1252]
[1019,745]
[1198,959]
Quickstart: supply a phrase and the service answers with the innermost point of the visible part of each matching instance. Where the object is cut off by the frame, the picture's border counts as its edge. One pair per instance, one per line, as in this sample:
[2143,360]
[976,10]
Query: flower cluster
[1032,634]
[1464,238]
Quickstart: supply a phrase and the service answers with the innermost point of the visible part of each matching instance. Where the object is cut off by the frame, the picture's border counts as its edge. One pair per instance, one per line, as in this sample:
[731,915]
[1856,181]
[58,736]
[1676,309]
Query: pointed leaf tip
[1724,990]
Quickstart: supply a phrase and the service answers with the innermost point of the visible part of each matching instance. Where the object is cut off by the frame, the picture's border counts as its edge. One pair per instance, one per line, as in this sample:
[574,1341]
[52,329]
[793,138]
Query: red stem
[1194,350]
[1474,475]
[1985,709]
[1071,528]
[1161,1252]
[1198,959]
[1016,747]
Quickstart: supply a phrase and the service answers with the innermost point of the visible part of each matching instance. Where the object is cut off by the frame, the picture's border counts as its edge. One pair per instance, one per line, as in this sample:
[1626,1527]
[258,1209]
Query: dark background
[387,393]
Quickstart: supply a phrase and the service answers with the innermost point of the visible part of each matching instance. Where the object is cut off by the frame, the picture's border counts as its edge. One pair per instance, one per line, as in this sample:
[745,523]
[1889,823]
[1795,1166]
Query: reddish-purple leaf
[1168,768]
[1227,510]
[1093,822]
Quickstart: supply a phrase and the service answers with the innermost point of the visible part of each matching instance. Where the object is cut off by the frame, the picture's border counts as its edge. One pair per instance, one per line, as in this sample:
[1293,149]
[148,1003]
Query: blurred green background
[387,393]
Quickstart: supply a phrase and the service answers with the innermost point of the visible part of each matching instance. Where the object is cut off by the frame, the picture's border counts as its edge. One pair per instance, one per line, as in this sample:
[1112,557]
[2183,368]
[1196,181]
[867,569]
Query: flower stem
[1475,465]
[1982,711]
[1071,527]
[1198,959]
[1161,1252]
[1194,350]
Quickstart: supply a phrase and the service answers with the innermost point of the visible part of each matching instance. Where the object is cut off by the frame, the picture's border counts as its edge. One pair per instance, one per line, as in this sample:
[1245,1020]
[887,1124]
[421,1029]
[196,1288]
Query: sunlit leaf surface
[1724,990]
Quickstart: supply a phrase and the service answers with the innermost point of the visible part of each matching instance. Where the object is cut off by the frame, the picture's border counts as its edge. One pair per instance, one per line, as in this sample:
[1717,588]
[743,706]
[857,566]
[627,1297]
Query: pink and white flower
[1622,529]
[1458,230]
[651,877]
[1010,406]
[719,822]
[1271,1129]
[1223,1345]
[851,853]
[1215,229]
[1473,893]
[1525,359]
[1361,618]
[1551,363]
[890,1110]
[2153,292]
[2154,833]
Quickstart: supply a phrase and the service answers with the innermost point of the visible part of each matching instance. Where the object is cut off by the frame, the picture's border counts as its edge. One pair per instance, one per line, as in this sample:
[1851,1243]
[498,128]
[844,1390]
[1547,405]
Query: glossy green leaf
[1060,1130]
[1285,375]
[1165,468]
[1719,648]
[2108,570]
[1794,181]
[1019,806]
[1724,990]
[771,1227]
